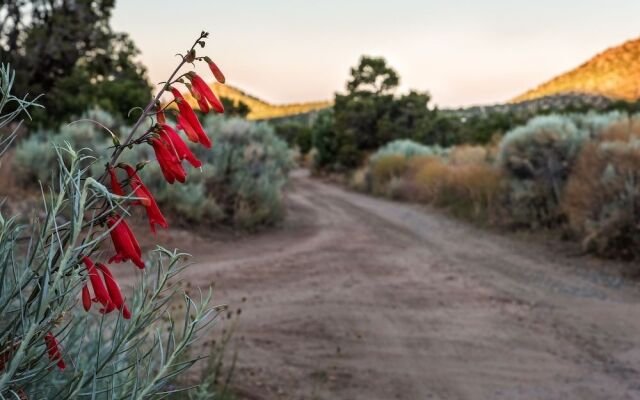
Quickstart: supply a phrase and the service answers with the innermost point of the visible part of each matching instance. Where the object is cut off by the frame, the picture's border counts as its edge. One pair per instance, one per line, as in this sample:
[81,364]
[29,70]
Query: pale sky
[463,52]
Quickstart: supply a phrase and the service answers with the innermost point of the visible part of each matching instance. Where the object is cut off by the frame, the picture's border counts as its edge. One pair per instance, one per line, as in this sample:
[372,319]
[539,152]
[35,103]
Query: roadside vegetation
[240,184]
[576,174]
[68,329]
[572,171]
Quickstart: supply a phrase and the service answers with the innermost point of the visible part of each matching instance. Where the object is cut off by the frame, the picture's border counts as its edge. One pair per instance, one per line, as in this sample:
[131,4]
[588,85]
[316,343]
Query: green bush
[296,134]
[408,149]
[324,140]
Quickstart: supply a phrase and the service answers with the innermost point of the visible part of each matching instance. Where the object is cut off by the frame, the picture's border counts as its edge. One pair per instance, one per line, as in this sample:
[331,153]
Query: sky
[463,52]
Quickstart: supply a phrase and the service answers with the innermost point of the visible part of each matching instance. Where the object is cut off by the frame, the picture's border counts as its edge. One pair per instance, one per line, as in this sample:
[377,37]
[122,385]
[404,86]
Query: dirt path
[361,298]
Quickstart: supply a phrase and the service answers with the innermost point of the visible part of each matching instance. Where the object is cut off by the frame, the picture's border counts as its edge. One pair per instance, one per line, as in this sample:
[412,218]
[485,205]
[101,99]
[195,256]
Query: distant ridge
[260,109]
[614,73]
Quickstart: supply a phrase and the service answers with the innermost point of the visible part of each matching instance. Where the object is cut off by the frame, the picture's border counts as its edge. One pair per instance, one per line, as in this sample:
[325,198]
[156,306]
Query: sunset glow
[463,52]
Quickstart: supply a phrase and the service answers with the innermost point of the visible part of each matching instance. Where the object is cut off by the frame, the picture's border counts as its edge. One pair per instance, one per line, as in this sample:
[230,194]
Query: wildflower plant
[67,329]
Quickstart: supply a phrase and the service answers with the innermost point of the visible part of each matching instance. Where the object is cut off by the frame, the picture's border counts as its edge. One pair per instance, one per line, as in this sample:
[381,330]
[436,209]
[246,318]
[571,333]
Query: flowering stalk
[43,286]
[147,110]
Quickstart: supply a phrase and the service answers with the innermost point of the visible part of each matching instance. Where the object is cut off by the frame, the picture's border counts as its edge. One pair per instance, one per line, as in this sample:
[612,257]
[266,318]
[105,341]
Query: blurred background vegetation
[548,163]
[69,52]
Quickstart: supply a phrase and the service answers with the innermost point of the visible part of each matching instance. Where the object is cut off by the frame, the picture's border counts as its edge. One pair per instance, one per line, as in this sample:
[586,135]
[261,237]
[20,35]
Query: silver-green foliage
[538,158]
[241,181]
[107,357]
[41,276]
[34,160]
[408,149]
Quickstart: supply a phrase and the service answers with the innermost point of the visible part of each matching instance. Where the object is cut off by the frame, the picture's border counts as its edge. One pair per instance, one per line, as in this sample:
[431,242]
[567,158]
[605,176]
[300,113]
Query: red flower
[169,163]
[53,348]
[172,138]
[202,103]
[160,116]
[99,290]
[201,88]
[191,133]
[114,291]
[215,70]
[125,243]
[186,110]
[86,298]
[115,185]
[153,211]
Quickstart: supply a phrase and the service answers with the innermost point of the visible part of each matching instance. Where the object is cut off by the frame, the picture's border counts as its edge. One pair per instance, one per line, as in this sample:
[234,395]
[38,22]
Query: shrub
[296,134]
[385,168]
[602,198]
[473,191]
[408,149]
[241,182]
[360,180]
[393,160]
[537,157]
[324,140]
[466,154]
[430,178]
[250,166]
[128,346]
[35,161]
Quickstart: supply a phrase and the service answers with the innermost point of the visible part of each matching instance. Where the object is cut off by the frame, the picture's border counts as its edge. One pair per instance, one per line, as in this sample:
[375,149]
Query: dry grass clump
[360,180]
[430,177]
[386,167]
[466,154]
[468,190]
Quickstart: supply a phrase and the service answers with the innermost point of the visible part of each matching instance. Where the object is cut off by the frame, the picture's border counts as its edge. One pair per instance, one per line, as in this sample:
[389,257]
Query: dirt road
[362,298]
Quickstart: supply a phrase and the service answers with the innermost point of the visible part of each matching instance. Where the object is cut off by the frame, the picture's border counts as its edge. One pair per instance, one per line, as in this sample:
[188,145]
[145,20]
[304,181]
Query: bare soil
[360,298]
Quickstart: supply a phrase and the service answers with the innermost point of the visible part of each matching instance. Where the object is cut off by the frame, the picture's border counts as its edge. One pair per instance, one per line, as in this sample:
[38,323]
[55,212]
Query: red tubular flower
[114,291]
[203,105]
[53,348]
[169,163]
[191,133]
[99,290]
[153,211]
[201,87]
[125,243]
[183,125]
[162,119]
[186,110]
[115,185]
[202,102]
[172,138]
[215,70]
[86,297]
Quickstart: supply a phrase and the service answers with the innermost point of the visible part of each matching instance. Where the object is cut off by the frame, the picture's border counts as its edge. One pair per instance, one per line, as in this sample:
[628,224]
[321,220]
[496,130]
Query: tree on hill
[67,50]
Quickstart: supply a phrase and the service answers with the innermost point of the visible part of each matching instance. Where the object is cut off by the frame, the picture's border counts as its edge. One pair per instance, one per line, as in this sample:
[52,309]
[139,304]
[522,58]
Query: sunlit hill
[613,73]
[260,109]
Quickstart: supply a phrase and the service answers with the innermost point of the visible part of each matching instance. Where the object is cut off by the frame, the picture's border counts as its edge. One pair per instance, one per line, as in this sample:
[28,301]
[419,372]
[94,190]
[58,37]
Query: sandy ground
[361,298]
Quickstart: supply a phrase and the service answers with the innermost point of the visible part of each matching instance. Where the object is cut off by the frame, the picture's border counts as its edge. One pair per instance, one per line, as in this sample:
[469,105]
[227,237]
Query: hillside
[261,109]
[614,73]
